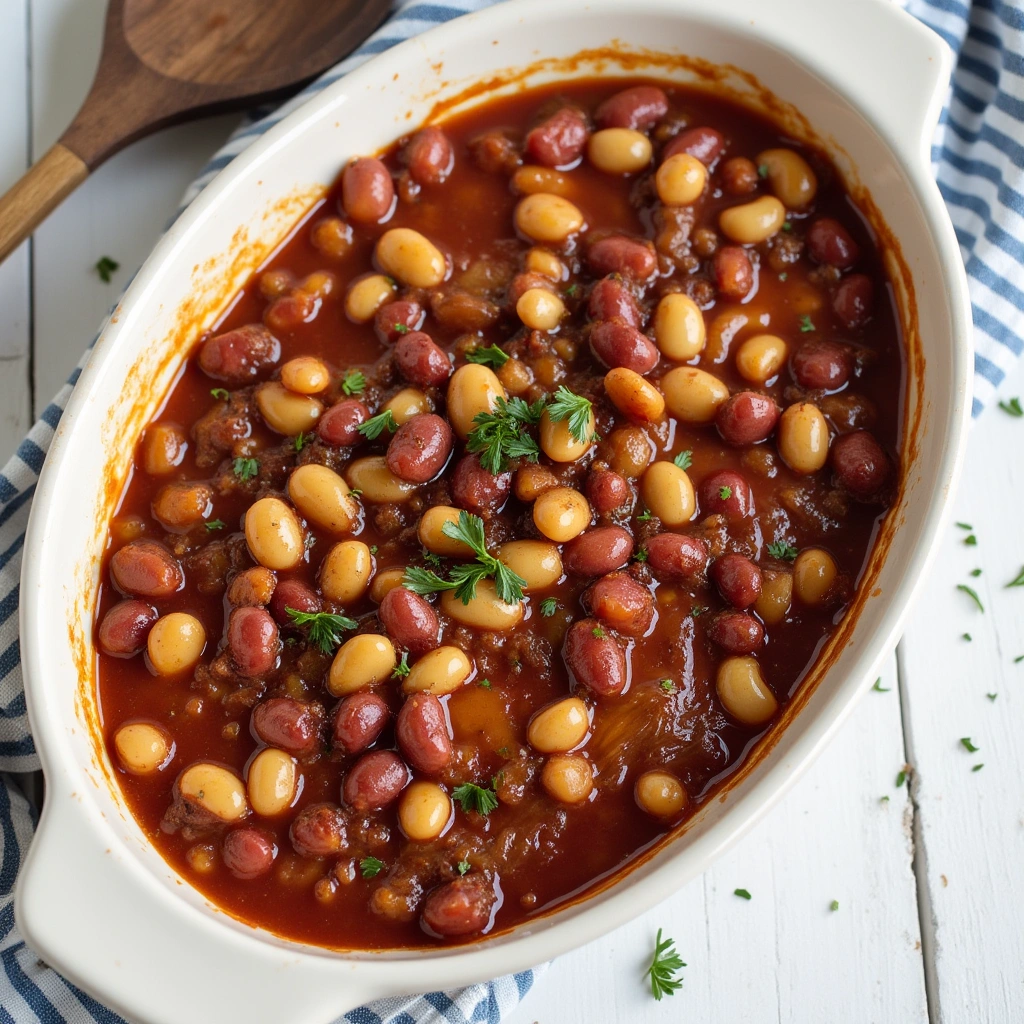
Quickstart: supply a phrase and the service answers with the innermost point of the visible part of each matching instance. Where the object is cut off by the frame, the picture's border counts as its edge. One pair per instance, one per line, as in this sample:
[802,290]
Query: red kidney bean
[610,298]
[420,448]
[559,140]
[145,568]
[375,780]
[853,300]
[524,282]
[289,724]
[598,551]
[615,343]
[420,361]
[821,364]
[238,356]
[367,191]
[734,273]
[860,463]
[340,424]
[460,907]
[595,659]
[319,831]
[616,254]
[409,620]
[477,489]
[622,603]
[736,632]
[829,242]
[253,641]
[675,556]
[358,721]
[125,627]
[637,107]
[726,493]
[429,156]
[394,319]
[291,593]
[738,579]
[747,418]
[705,144]
[248,852]
[422,733]
[739,176]
[607,490]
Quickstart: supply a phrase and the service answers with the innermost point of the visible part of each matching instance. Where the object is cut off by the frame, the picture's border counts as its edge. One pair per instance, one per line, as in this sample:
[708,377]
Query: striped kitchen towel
[979,163]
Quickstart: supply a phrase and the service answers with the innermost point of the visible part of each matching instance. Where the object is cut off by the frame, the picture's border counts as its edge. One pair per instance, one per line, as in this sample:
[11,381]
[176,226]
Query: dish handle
[87,908]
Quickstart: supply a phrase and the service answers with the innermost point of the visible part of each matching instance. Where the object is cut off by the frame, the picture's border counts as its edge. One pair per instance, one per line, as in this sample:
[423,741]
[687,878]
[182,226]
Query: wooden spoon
[166,61]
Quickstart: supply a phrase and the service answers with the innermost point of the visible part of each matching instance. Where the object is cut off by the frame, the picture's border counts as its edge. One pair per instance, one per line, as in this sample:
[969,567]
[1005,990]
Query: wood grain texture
[971,824]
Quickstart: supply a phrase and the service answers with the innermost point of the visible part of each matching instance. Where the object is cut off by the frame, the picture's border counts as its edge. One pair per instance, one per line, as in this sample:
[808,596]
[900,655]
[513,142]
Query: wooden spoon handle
[38,191]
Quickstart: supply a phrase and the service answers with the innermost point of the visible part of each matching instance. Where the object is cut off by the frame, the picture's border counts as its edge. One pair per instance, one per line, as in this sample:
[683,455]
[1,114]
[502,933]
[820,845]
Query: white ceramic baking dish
[862,79]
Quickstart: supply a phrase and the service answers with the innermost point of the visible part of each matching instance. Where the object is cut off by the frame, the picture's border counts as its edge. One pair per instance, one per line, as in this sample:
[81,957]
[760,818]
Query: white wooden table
[929,882]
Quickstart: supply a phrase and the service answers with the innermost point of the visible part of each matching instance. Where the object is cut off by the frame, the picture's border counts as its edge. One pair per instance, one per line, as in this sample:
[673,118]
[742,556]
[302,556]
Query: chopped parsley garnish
[665,965]
[964,526]
[490,356]
[105,267]
[401,328]
[245,469]
[598,633]
[376,425]
[684,460]
[645,516]
[642,555]
[977,572]
[572,291]
[783,276]
[972,595]
[1018,659]
[806,324]
[463,867]
[548,607]
[355,492]
[220,393]
[401,670]
[373,547]
[485,683]
[834,905]
[668,686]
[698,610]
[967,637]
[354,382]
[783,551]
[991,696]
[214,524]
[971,541]
[463,579]
[742,893]
[901,777]
[567,405]
[1018,580]
[762,170]
[370,867]
[965,742]
[787,226]
[878,688]
[431,558]
[325,628]
[978,767]
[472,797]
[725,493]
[300,441]
[501,435]
[1012,407]
[884,799]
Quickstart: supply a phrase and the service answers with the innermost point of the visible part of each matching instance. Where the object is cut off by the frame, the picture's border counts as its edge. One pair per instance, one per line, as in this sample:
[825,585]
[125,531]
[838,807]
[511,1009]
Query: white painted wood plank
[972,823]
[784,955]
[15,326]
[119,212]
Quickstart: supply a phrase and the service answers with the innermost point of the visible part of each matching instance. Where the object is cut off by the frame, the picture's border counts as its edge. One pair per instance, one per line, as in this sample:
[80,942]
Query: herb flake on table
[501,434]
[472,797]
[901,777]
[834,906]
[491,356]
[965,526]
[970,541]
[975,573]
[324,628]
[966,636]
[1017,581]
[972,594]
[354,382]
[879,688]
[105,267]
[245,469]
[1012,407]
[965,742]
[992,696]
[742,893]
[370,867]
[977,767]
[665,965]
[567,405]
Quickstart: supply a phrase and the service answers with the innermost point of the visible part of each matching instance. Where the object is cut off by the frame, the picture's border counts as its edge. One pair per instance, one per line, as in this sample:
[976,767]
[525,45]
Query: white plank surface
[784,955]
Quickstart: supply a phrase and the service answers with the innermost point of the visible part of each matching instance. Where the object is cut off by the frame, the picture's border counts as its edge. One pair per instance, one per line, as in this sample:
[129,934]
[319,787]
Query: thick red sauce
[540,851]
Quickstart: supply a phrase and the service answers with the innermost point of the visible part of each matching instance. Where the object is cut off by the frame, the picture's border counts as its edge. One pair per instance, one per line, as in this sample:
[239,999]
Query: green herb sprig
[491,356]
[665,965]
[324,628]
[567,405]
[501,435]
[472,797]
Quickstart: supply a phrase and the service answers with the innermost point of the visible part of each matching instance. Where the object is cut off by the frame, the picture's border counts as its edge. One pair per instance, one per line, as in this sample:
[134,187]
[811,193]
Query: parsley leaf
[424,581]
[579,411]
[762,170]
[245,469]
[878,688]
[642,555]
[472,797]
[645,516]
[901,777]
[548,607]
[300,441]
[221,393]
[977,572]
[370,867]
[992,696]
[105,267]
[966,636]
[485,683]
[470,530]
[490,356]
[725,493]
[401,328]
[965,742]
[463,867]
[325,628]
[684,460]
[783,551]
[401,670]
[1012,407]
[972,595]
[376,425]
[598,633]
[214,524]
[971,541]
[665,964]
[742,893]
[500,435]
[668,686]
[1018,580]
[977,767]
[834,905]
[354,382]
[806,324]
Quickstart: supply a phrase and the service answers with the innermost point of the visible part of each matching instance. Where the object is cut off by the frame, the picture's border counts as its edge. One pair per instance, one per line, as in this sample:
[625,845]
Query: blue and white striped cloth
[979,162]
